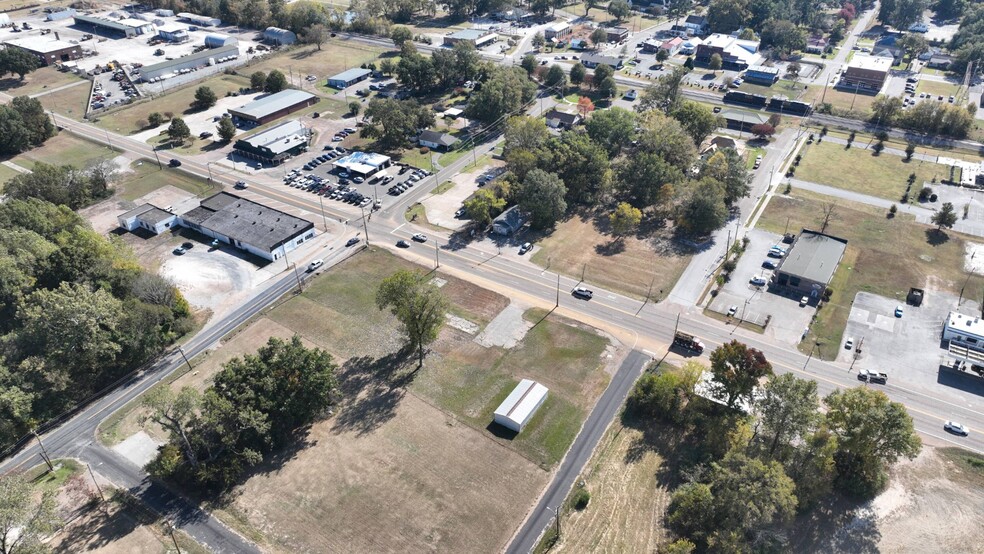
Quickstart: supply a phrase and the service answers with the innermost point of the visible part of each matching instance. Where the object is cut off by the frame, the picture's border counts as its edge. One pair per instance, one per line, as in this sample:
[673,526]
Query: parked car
[804,301]
[526,247]
[849,344]
[956,428]
[583,293]
[769,264]
[179,251]
[315,264]
[732,311]
[758,281]
[204,135]
[898,311]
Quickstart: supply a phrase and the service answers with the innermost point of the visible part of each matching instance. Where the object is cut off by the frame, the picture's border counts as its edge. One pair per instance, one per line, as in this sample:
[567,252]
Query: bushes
[581,498]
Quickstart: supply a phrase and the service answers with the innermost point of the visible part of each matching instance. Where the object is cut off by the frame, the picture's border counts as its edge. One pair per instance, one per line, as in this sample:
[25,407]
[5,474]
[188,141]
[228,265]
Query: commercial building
[617,34]
[172,32]
[592,61]
[689,46]
[147,217]
[215,40]
[964,328]
[349,77]
[558,31]
[809,265]
[436,141]
[247,225]
[736,54]
[762,74]
[47,50]
[115,28]
[278,36]
[275,144]
[60,15]
[519,407]
[363,164]
[191,61]
[477,37]
[274,106]
[200,20]
[866,73]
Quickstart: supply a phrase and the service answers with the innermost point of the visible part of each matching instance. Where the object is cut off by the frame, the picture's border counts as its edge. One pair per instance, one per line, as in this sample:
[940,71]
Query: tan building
[866,73]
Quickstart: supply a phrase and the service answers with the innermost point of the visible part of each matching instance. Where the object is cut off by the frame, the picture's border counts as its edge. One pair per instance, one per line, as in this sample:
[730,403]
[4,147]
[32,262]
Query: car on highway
[898,311]
[419,237]
[758,281]
[583,293]
[402,244]
[315,264]
[526,247]
[352,241]
[956,428]
[241,185]
[174,163]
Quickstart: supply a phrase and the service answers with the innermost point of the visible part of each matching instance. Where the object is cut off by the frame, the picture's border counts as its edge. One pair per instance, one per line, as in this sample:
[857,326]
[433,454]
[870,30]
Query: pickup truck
[873,376]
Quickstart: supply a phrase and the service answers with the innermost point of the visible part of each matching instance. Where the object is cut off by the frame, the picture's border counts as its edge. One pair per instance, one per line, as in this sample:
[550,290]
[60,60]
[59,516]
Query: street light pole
[437,255]
[365,226]
[323,218]
[298,277]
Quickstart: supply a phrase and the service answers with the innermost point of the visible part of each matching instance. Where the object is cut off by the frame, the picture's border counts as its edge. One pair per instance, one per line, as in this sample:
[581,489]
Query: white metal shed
[518,408]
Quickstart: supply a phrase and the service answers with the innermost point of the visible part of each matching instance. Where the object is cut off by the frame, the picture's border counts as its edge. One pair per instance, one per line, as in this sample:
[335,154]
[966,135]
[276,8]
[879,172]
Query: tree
[602,72]
[697,119]
[524,132]
[691,511]
[65,185]
[728,168]
[505,91]
[913,44]
[910,149]
[577,74]
[703,209]
[750,494]
[204,98]
[598,36]
[226,129]
[763,130]
[155,119]
[393,122]
[946,216]
[354,108]
[316,34]
[607,88]
[538,40]
[665,137]
[662,55]
[178,130]
[884,109]
[788,411]
[484,206]
[783,37]
[589,5]
[580,162]
[275,81]
[736,371]
[417,304]
[715,63]
[175,412]
[542,196]
[619,9]
[793,71]
[624,220]
[400,35]
[665,94]
[901,13]
[23,124]
[871,431]
[25,520]
[724,16]
[257,80]
[18,61]
[614,129]
[529,63]
[585,106]
[828,212]
[387,67]
[556,79]
[419,72]
[646,179]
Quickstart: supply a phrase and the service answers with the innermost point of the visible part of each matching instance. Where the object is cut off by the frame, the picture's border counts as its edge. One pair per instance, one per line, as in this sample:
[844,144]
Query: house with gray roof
[508,222]
[436,141]
[147,217]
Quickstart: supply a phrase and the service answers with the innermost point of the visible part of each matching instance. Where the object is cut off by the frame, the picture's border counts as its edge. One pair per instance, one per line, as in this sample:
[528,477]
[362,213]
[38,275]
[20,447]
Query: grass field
[937,88]
[581,243]
[784,87]
[39,81]
[967,155]
[884,256]
[177,102]
[70,102]
[65,149]
[840,99]
[147,176]
[336,55]
[6,174]
[884,176]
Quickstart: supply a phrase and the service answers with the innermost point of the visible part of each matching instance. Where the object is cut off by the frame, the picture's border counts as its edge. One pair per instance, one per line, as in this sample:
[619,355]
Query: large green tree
[393,122]
[666,138]
[204,98]
[697,119]
[788,410]
[483,206]
[542,196]
[645,179]
[26,517]
[702,209]
[276,81]
[506,91]
[64,184]
[614,129]
[728,168]
[178,130]
[737,370]
[18,61]
[417,304]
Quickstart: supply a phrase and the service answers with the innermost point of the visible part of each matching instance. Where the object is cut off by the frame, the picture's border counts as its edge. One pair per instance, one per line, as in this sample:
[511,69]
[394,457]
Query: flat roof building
[559,30]
[519,407]
[477,37]
[363,163]
[275,144]
[617,34]
[349,77]
[810,264]
[592,61]
[115,28]
[172,32]
[762,74]
[147,217]
[866,73]
[249,226]
[191,61]
[49,51]
[274,106]
[736,54]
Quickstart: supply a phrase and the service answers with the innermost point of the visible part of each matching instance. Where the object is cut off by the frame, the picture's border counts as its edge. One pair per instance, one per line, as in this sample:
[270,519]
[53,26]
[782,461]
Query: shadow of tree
[611,248]
[936,237]
[372,389]
[836,525]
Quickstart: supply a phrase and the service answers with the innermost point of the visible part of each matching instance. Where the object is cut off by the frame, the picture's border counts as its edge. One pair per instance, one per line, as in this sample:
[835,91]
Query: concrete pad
[461,324]
[140,449]
[507,329]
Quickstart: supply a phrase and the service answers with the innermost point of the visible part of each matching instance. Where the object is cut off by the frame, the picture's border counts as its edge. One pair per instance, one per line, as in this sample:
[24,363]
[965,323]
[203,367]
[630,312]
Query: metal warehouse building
[518,408]
[478,37]
[275,106]
[187,62]
[810,264]
[249,226]
[275,144]
[216,40]
[122,28]
[349,77]
[202,20]
[278,36]
[173,32]
[48,51]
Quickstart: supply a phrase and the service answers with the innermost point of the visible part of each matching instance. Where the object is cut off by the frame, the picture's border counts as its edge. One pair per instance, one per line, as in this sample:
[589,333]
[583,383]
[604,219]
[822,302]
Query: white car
[315,264]
[419,237]
[956,428]
[732,311]
[758,281]
[849,344]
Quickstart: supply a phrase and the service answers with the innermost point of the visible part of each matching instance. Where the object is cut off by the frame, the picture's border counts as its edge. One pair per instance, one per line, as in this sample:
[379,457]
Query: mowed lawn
[70,102]
[45,78]
[177,102]
[145,176]
[336,55]
[884,256]
[65,149]
[855,169]
[840,99]
[580,243]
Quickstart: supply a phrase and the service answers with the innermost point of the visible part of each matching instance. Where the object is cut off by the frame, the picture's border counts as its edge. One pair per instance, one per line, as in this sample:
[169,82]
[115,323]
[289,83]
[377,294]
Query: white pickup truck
[872,376]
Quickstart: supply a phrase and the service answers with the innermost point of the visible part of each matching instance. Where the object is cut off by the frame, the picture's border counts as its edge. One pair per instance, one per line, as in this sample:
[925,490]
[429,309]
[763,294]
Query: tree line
[763,453]
[64,184]
[76,313]
[931,117]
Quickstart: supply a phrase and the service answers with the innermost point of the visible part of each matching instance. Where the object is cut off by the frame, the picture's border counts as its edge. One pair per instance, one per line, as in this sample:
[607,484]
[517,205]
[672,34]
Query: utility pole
[437,255]
[584,268]
[365,226]
[44,453]
[169,527]
[96,483]
[298,277]
[181,350]
[857,353]
[676,325]
[557,304]
[323,218]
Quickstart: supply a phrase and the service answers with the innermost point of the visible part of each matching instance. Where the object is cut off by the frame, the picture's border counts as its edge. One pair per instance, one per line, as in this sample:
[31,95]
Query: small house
[508,222]
[434,140]
[557,119]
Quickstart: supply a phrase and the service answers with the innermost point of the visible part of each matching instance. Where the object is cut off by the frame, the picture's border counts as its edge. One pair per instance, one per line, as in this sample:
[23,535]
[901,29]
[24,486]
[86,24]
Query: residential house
[696,25]
[508,222]
[436,141]
[562,120]
[816,44]
[592,61]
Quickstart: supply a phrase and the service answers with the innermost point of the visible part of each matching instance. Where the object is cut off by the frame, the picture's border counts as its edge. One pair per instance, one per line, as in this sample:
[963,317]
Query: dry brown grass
[627,266]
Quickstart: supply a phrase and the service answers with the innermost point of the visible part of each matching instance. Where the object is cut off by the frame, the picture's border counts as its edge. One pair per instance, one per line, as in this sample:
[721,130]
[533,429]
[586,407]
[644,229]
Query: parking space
[747,296]
[111,88]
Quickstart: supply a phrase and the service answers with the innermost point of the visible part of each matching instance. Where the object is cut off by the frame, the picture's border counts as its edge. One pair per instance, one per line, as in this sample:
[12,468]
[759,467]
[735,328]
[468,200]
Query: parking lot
[754,303]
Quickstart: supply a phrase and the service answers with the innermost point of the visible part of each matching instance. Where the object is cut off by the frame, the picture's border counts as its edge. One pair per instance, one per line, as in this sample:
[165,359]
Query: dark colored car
[582,292]
[402,244]
[352,241]
[174,163]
